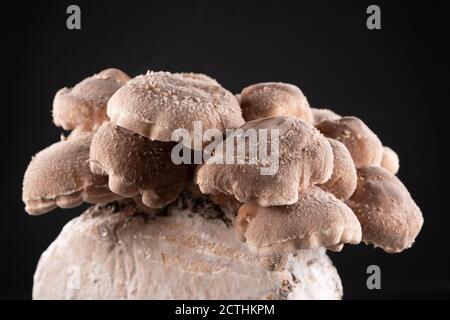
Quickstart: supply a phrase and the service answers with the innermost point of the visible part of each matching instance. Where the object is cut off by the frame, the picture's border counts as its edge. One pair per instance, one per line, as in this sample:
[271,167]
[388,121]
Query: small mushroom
[322,114]
[274,99]
[364,145]
[390,160]
[317,219]
[343,180]
[156,104]
[137,166]
[305,158]
[59,176]
[389,217]
[84,105]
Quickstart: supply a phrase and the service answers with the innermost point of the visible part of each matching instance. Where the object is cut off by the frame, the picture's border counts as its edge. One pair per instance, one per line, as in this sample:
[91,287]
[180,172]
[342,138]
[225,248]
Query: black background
[395,79]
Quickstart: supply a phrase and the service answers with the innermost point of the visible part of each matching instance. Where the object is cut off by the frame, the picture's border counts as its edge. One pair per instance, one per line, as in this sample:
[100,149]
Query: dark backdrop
[395,79]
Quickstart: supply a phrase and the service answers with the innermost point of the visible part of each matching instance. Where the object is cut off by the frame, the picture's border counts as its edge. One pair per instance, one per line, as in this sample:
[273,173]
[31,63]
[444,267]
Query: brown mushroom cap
[199,77]
[389,217]
[322,114]
[59,176]
[317,219]
[364,145]
[390,160]
[156,104]
[274,99]
[84,105]
[137,165]
[305,159]
[343,180]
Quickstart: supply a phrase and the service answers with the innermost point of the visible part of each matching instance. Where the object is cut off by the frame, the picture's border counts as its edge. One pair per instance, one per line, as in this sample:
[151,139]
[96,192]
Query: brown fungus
[390,160]
[304,156]
[322,114]
[389,217]
[156,104]
[274,99]
[137,166]
[343,180]
[364,145]
[84,106]
[59,176]
[317,219]
[199,77]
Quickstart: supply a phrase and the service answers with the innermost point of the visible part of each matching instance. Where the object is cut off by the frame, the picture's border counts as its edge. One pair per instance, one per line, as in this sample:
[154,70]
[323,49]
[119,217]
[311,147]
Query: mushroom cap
[343,180]
[274,99]
[389,217]
[390,160]
[305,158]
[137,166]
[322,114]
[364,146]
[156,104]
[199,77]
[84,105]
[317,219]
[59,176]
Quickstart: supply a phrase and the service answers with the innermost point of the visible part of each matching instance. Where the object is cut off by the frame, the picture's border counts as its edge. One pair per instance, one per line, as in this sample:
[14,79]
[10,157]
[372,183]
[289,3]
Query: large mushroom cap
[274,99]
[390,160]
[389,217]
[84,105]
[156,104]
[364,145]
[305,158]
[137,165]
[322,114]
[59,176]
[343,180]
[317,219]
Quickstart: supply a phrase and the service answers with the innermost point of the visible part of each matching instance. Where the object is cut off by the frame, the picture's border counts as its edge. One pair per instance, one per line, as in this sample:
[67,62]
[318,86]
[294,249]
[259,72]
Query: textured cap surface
[59,176]
[317,219]
[305,158]
[343,180]
[156,104]
[389,217]
[322,114]
[84,105]
[364,146]
[390,160]
[199,77]
[271,99]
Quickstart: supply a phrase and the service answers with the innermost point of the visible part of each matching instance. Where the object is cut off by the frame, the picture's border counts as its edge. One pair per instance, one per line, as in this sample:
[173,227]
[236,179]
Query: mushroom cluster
[335,182]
